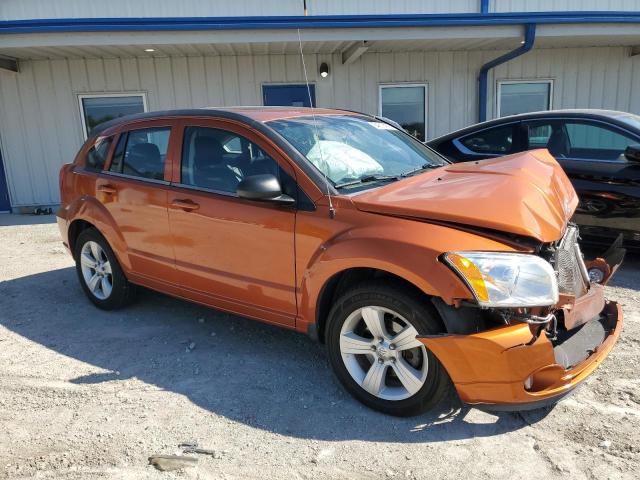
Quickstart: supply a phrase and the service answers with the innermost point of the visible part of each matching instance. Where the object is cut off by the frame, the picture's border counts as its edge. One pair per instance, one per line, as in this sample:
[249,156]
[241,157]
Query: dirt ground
[90,394]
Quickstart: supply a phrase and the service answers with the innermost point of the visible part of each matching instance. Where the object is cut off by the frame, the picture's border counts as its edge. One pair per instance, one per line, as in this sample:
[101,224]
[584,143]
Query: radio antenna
[332,211]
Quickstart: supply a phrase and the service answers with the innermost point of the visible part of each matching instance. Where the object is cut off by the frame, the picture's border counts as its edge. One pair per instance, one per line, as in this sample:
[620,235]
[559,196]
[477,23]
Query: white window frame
[82,96]
[499,84]
[404,85]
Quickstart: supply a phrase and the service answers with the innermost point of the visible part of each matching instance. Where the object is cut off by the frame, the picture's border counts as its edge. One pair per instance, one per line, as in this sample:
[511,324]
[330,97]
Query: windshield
[351,149]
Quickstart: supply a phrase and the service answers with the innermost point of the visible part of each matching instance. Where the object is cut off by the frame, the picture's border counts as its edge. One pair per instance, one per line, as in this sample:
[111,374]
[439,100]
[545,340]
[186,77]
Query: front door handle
[186,205]
[108,189]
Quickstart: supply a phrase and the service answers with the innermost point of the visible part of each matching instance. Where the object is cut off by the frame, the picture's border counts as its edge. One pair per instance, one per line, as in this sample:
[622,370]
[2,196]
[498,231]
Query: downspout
[529,39]
[484,6]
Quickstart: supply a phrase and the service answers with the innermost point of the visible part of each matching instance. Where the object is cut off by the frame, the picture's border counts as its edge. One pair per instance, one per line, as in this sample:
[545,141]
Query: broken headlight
[502,279]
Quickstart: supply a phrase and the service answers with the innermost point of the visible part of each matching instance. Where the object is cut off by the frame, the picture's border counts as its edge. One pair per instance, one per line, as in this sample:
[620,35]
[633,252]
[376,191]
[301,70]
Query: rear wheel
[372,347]
[99,272]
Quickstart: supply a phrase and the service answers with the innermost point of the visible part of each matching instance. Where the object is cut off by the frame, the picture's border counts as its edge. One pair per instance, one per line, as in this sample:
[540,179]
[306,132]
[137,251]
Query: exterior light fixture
[149,50]
[324,70]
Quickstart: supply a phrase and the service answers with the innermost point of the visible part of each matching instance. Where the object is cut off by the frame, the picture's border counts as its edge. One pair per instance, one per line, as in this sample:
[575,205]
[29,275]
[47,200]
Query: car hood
[525,194]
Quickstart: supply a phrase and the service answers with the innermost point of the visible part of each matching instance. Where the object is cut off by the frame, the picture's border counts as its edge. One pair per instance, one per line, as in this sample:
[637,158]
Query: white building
[66,64]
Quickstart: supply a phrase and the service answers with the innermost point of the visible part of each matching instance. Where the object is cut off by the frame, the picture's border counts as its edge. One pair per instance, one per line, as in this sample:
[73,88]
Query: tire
[106,271]
[398,309]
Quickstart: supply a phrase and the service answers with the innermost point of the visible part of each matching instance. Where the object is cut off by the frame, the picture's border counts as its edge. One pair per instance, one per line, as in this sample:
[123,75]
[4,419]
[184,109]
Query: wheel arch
[345,279]
[88,212]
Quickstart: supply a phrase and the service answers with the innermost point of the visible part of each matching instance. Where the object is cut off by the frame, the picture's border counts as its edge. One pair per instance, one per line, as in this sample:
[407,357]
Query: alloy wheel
[381,353]
[96,270]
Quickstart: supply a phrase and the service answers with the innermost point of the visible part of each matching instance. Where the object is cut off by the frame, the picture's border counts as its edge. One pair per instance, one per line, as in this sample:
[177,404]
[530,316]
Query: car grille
[569,264]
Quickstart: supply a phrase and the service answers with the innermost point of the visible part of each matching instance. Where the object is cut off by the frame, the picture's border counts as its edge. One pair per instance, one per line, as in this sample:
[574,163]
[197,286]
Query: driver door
[236,252]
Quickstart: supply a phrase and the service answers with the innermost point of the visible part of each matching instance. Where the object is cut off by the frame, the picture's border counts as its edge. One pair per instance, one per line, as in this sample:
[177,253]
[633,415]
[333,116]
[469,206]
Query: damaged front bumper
[515,367]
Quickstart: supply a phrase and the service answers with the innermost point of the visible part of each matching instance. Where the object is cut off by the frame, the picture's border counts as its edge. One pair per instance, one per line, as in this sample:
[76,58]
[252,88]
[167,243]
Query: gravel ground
[90,394]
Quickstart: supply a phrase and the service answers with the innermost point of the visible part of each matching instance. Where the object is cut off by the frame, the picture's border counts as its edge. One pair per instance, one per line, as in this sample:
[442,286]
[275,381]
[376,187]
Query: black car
[598,149]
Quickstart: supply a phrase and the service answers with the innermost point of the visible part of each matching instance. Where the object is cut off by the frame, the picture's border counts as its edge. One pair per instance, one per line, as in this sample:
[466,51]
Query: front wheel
[372,347]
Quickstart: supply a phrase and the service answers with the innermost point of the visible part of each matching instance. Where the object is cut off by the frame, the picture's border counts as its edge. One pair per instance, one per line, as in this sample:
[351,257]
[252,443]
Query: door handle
[186,205]
[108,189]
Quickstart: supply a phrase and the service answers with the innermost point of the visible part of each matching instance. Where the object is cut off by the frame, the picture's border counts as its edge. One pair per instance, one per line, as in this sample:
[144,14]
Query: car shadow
[246,371]
[7,220]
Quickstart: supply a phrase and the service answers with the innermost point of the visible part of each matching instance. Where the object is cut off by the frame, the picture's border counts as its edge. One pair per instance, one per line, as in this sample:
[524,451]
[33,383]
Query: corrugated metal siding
[21,9]
[40,120]
[24,9]
[562,5]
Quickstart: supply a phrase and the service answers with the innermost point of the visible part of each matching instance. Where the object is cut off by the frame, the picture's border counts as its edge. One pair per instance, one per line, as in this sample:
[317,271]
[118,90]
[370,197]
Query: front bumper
[502,368]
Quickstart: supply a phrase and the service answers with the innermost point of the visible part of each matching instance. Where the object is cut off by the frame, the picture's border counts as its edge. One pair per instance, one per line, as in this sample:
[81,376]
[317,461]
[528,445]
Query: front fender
[405,248]
[89,209]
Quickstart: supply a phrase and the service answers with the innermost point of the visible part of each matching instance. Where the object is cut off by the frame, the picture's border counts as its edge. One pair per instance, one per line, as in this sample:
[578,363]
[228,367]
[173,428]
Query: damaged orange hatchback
[418,275]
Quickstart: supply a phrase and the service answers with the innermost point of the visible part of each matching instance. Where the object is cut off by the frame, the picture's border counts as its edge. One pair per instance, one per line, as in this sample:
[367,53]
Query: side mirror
[264,188]
[633,153]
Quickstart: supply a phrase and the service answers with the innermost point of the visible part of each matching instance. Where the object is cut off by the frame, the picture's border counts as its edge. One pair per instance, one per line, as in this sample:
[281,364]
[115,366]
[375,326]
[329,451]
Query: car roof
[615,117]
[256,114]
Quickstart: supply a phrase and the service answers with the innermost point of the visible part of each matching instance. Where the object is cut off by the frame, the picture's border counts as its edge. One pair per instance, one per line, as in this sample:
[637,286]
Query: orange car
[418,275]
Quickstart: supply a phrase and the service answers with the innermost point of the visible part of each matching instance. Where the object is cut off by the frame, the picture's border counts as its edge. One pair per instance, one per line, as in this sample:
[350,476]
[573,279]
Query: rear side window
[142,153]
[97,155]
[497,141]
[118,155]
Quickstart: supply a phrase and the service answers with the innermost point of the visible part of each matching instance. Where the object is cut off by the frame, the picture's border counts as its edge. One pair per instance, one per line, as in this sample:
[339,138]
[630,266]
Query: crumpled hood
[526,194]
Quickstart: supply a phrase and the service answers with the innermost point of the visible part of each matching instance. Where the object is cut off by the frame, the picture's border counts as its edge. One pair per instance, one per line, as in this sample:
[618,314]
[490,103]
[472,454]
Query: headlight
[506,279]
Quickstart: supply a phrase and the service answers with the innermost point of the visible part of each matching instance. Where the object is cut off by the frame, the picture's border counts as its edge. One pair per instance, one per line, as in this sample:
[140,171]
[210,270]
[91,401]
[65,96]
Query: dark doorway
[5,205]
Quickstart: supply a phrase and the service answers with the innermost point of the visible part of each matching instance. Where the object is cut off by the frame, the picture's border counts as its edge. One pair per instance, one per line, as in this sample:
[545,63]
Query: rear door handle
[186,205]
[109,189]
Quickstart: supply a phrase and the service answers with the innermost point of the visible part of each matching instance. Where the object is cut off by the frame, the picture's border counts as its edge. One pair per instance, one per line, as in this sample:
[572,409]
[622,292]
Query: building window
[405,104]
[96,109]
[522,96]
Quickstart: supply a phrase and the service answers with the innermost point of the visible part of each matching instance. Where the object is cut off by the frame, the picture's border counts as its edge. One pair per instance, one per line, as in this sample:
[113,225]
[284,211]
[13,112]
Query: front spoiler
[491,368]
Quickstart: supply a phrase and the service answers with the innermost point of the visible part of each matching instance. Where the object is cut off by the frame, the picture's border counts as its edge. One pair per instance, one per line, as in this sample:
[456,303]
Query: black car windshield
[352,149]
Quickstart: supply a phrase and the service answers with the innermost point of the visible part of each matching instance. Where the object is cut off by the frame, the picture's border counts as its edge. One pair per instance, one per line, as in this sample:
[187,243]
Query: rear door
[592,155]
[239,253]
[134,189]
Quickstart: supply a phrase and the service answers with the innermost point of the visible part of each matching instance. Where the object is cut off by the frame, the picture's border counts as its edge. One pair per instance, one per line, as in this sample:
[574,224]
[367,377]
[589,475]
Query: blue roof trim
[325,21]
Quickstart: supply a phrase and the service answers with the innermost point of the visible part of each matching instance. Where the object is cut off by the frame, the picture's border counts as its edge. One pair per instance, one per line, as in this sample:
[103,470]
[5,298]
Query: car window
[539,135]
[145,152]
[497,140]
[218,159]
[97,155]
[596,141]
[118,155]
[350,148]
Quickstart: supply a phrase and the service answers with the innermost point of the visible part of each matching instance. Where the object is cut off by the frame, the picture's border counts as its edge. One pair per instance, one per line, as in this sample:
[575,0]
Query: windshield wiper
[426,166]
[367,179]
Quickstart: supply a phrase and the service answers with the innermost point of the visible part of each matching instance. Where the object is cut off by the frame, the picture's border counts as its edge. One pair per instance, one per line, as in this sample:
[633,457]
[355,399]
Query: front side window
[596,141]
[142,153]
[492,141]
[407,106]
[578,140]
[350,148]
[97,154]
[523,97]
[217,159]
[97,109]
